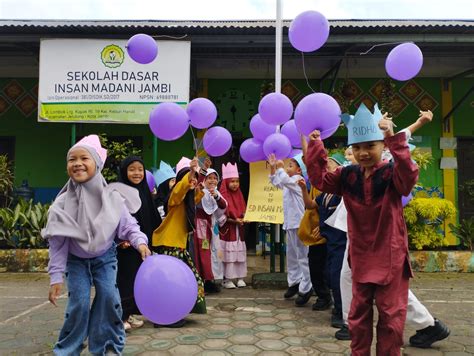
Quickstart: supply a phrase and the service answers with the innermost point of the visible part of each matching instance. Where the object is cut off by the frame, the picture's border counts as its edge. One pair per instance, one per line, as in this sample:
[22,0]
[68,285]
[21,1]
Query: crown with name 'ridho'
[230,170]
[363,126]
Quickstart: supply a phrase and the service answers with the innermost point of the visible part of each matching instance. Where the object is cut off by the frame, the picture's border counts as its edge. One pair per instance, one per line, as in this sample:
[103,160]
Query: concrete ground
[244,321]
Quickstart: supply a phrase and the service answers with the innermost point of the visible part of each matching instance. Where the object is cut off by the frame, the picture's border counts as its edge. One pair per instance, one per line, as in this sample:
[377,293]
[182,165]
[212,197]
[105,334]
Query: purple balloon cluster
[169,121]
[316,111]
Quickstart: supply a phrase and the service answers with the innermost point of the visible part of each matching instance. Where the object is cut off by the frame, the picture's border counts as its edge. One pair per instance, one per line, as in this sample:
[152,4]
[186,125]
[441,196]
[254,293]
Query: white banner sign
[88,80]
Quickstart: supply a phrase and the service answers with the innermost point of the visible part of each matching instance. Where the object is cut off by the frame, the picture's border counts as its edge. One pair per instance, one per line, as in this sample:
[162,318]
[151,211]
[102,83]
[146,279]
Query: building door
[465,153]
[7,147]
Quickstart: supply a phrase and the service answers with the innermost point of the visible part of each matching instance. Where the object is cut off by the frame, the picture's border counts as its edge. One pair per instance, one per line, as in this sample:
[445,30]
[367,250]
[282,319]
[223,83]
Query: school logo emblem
[112,56]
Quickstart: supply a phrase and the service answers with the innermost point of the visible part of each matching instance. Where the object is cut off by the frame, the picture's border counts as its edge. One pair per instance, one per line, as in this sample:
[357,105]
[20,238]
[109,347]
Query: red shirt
[376,227]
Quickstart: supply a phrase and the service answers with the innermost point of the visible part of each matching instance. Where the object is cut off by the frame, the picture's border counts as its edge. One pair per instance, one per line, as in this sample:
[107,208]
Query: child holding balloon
[132,173]
[299,280]
[378,249]
[172,235]
[207,249]
[83,221]
[232,231]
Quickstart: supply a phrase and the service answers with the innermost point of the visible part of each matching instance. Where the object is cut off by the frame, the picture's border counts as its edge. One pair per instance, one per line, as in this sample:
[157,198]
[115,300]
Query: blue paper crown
[164,173]
[363,126]
[299,158]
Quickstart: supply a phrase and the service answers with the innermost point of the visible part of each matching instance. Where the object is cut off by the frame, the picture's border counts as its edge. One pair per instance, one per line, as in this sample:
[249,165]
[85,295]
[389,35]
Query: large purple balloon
[278,144]
[317,111]
[150,180]
[329,132]
[168,121]
[308,31]
[404,61]
[165,289]
[142,48]
[289,130]
[217,141]
[251,150]
[406,199]
[260,129]
[202,113]
[275,108]
[294,152]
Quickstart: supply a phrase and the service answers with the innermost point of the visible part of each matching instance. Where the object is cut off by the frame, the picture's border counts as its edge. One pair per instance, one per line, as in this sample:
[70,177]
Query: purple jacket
[60,247]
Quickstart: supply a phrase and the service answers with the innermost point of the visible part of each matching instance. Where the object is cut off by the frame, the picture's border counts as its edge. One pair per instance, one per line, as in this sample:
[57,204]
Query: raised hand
[272,160]
[386,125]
[315,135]
[302,184]
[207,163]
[425,117]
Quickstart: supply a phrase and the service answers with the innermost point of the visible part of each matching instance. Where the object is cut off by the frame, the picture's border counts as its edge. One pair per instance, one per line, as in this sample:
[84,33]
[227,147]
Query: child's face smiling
[211,182]
[135,172]
[293,168]
[368,154]
[80,165]
[348,155]
[234,184]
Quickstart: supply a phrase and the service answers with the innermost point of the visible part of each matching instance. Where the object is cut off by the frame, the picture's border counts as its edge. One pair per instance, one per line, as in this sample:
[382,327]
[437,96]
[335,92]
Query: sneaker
[424,338]
[127,326]
[178,324]
[303,298]
[337,321]
[241,283]
[322,304]
[134,322]
[343,333]
[228,284]
[291,291]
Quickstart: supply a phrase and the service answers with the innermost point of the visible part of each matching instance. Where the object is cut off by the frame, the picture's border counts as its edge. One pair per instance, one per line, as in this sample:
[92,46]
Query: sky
[233,9]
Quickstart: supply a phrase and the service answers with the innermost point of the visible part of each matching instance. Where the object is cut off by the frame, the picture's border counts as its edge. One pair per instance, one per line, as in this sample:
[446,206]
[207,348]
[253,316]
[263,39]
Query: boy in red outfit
[378,253]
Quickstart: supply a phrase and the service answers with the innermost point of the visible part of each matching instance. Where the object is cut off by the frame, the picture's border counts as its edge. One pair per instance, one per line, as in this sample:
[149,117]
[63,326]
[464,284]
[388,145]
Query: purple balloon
[202,113]
[317,111]
[406,199]
[277,144]
[217,141]
[142,48]
[168,121]
[289,130]
[329,132]
[165,289]
[275,108]
[294,152]
[404,61]
[251,150]
[150,180]
[309,31]
[260,129]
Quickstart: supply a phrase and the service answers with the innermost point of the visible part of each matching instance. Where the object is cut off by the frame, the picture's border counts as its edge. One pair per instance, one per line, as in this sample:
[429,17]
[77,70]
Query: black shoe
[427,336]
[178,324]
[343,333]
[291,291]
[322,304]
[337,321]
[303,298]
[211,287]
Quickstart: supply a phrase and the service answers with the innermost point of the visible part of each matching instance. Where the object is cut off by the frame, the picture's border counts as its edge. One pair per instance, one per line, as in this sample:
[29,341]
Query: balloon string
[381,44]
[304,73]
[195,141]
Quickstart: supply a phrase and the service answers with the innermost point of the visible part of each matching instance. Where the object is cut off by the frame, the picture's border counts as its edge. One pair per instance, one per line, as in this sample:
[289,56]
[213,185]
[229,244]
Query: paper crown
[230,170]
[164,173]
[299,158]
[338,158]
[183,162]
[363,126]
[93,142]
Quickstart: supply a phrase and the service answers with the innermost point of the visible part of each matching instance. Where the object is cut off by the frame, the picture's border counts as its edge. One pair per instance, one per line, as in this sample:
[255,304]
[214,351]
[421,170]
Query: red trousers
[202,258]
[391,301]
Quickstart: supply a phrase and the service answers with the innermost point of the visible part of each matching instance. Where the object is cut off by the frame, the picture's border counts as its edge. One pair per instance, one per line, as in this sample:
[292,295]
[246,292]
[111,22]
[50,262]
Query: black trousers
[317,256]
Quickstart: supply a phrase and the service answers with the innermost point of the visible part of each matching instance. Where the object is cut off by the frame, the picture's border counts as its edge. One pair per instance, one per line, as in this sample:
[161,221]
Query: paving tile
[270,345]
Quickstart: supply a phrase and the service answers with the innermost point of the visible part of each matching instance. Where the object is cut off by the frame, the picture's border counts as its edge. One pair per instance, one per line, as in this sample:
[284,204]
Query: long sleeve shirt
[293,203]
[376,227]
[173,231]
[60,247]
